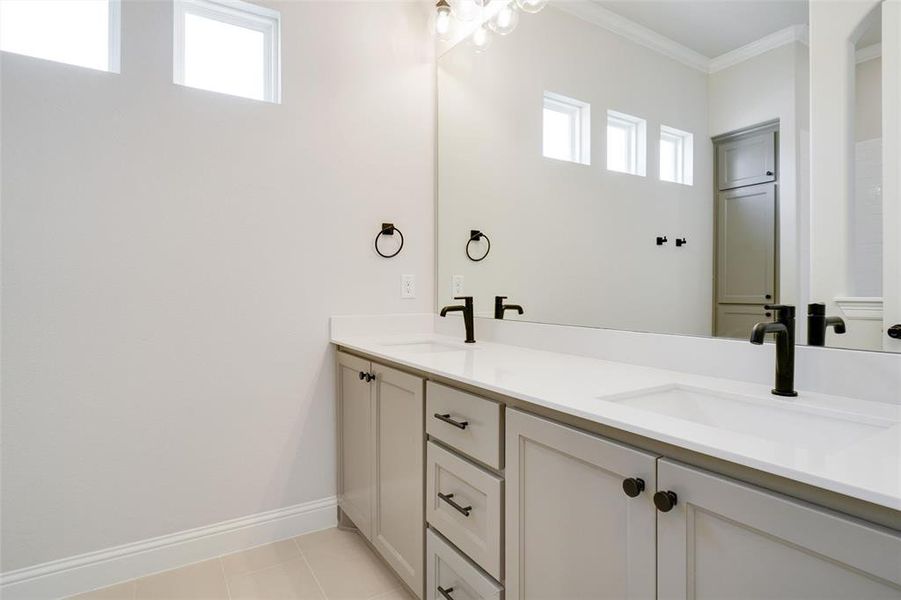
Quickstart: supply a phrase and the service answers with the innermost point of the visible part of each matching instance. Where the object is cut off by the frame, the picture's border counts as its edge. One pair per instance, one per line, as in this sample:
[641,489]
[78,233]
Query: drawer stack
[464,495]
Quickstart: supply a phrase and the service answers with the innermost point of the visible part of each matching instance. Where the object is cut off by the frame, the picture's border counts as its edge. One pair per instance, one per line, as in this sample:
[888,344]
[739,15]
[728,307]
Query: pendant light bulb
[505,20]
[466,10]
[481,38]
[531,6]
[442,19]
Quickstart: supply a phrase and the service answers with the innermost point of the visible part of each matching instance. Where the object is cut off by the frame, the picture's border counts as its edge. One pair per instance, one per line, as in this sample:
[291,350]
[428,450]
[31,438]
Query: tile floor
[325,565]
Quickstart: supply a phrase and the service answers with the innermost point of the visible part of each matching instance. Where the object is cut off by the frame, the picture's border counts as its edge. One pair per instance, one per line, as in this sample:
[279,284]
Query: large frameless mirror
[649,165]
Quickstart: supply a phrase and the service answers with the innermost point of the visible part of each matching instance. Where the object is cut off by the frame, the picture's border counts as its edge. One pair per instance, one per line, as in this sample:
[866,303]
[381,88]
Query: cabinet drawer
[479,437]
[468,510]
[449,570]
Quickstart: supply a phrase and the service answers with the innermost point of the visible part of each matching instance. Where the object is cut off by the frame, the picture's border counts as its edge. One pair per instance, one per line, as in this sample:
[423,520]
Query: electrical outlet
[458,285]
[407,286]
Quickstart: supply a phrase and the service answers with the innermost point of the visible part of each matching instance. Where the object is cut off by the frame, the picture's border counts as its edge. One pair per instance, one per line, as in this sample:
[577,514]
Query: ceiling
[711,27]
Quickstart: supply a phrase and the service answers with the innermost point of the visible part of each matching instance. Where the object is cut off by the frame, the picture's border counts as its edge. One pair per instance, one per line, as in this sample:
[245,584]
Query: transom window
[676,155]
[626,146]
[566,129]
[227,46]
[76,32]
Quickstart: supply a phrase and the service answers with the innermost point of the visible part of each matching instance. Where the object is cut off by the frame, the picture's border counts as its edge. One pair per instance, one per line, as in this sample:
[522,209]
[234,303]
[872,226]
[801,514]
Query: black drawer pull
[447,419]
[449,499]
[446,592]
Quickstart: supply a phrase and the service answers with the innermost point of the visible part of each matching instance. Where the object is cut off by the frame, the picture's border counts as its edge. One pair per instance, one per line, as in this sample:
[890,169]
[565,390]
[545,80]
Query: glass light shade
[531,6]
[505,20]
[443,21]
[466,10]
[481,38]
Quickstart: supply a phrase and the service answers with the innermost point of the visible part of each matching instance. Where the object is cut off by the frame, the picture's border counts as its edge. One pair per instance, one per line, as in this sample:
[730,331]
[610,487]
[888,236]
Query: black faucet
[466,309]
[784,330]
[500,308]
[818,322]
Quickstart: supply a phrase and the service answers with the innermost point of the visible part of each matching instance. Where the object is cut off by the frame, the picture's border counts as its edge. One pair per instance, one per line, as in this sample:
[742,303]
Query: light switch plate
[457,288]
[407,286]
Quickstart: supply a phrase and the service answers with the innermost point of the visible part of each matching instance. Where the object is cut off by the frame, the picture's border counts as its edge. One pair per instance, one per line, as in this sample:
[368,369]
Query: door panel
[737,320]
[398,426]
[746,245]
[724,539]
[571,531]
[746,161]
[355,427]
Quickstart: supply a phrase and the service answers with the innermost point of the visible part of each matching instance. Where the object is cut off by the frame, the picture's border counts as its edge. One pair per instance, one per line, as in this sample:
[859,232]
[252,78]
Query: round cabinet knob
[362,375]
[665,501]
[633,486]
[769,173]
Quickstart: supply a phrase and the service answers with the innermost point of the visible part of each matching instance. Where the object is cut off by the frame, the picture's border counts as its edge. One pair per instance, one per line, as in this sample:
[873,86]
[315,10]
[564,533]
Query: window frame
[114,42]
[684,143]
[579,113]
[636,136]
[240,14]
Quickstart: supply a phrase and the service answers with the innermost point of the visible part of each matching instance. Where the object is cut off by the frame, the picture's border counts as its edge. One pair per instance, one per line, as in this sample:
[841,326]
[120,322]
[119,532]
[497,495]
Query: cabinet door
[571,531]
[355,445]
[737,320]
[746,245]
[398,526]
[724,539]
[746,161]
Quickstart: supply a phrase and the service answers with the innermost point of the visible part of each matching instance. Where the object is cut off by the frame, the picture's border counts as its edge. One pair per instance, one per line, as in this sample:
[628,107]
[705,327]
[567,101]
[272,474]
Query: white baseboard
[68,576]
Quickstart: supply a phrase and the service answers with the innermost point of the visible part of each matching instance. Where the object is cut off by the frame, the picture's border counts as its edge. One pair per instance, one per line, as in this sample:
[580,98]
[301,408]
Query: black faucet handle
[500,297]
[465,298]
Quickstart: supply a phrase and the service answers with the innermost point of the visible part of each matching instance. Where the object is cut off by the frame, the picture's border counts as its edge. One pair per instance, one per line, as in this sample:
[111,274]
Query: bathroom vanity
[496,471]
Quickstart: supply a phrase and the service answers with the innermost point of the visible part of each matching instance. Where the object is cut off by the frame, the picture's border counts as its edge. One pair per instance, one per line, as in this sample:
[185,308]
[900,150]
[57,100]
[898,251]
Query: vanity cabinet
[725,539]
[518,506]
[571,530]
[381,463]
[355,442]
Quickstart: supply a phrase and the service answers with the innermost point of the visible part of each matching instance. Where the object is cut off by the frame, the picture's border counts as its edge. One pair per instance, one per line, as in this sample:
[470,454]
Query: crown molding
[868,53]
[644,36]
[789,35]
[632,31]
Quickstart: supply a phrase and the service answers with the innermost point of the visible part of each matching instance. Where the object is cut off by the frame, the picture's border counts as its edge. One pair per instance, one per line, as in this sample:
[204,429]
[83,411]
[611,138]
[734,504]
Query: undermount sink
[776,420]
[421,347]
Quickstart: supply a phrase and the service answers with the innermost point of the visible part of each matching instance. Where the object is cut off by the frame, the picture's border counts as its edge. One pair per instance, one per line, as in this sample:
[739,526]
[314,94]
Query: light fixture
[505,20]
[466,10]
[442,19]
[481,38]
[531,6]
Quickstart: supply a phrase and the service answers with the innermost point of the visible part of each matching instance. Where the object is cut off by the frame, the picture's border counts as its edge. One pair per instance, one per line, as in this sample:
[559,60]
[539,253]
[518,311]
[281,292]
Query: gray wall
[171,257]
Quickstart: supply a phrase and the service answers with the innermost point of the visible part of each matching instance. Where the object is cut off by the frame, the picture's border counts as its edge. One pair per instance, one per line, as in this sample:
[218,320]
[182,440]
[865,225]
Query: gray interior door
[746,161]
[746,245]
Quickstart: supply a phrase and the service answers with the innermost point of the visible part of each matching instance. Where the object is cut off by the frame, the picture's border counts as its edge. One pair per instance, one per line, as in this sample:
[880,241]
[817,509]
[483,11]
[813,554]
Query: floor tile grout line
[228,589]
[303,557]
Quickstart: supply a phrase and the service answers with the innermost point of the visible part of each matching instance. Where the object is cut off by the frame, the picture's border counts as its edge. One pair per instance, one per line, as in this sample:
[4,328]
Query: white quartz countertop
[848,446]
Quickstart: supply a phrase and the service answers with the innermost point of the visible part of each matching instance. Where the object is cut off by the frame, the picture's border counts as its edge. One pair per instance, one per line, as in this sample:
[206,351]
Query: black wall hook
[474,236]
[389,229]
[681,242]
[661,240]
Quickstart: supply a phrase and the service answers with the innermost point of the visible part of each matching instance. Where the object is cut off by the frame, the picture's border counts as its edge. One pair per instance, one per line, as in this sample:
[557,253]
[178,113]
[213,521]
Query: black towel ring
[474,236]
[389,229]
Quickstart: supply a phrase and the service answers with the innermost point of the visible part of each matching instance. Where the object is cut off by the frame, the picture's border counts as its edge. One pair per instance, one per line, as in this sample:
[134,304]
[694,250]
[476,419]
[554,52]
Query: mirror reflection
[647,166]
